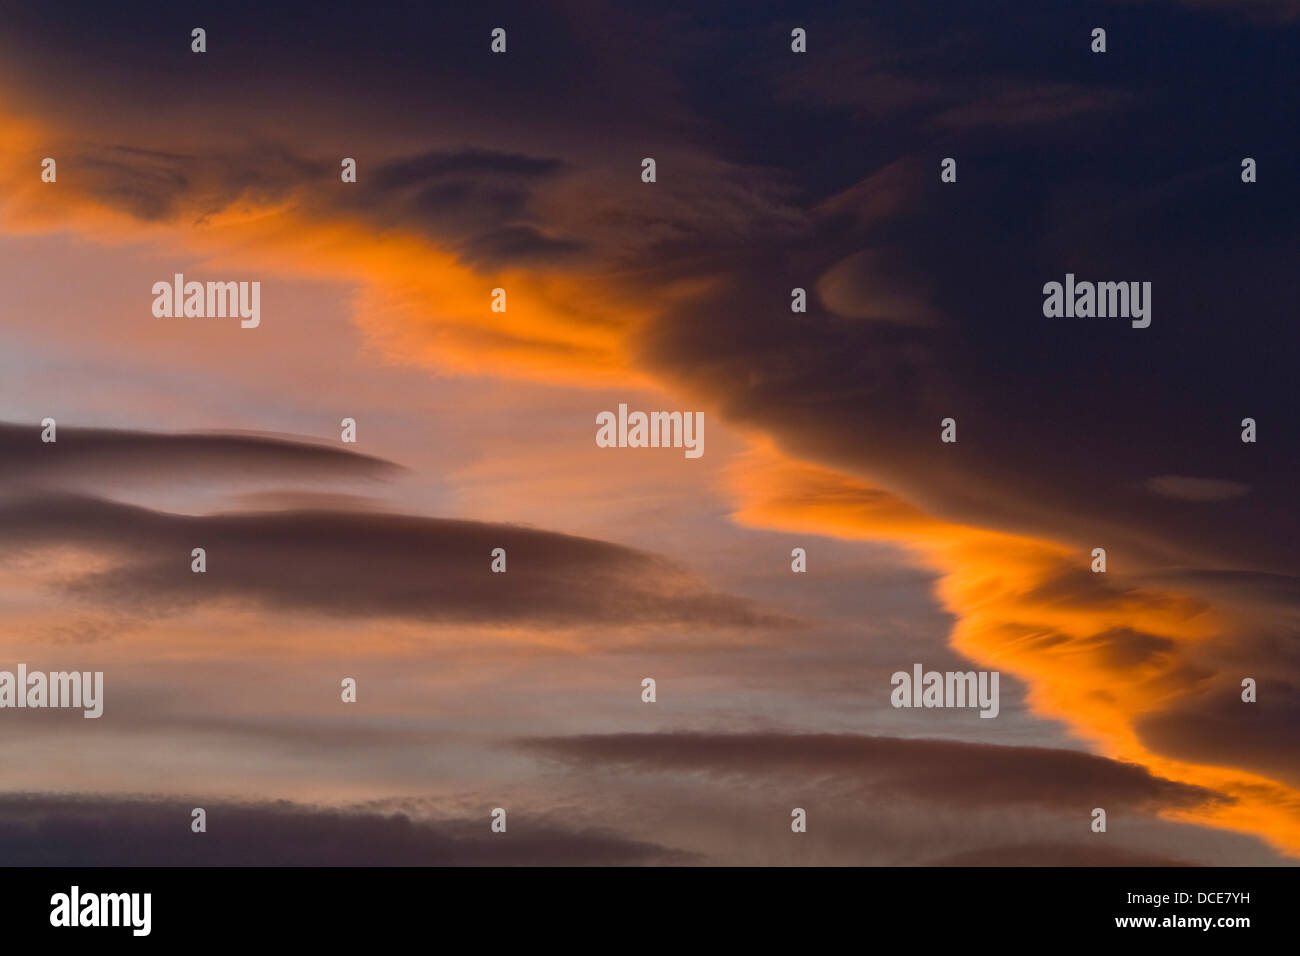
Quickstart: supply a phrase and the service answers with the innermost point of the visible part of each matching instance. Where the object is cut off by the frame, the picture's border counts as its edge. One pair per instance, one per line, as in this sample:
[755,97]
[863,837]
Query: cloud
[157,186]
[327,554]
[93,830]
[431,167]
[368,564]
[686,283]
[1196,489]
[1215,726]
[85,456]
[479,201]
[1097,651]
[518,244]
[936,771]
[867,285]
[1252,588]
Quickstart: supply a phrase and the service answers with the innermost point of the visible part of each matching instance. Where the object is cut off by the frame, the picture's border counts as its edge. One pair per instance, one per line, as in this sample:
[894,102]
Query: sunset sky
[476,430]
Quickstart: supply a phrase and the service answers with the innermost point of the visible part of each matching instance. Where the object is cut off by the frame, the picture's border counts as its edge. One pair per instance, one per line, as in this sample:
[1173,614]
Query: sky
[476,430]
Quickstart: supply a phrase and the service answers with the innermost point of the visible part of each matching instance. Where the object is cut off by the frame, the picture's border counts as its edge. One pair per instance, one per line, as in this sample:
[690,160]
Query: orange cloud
[416,301]
[1032,607]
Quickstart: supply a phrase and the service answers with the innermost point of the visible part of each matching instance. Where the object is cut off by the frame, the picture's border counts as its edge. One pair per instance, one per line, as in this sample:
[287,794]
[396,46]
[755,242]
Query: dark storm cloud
[939,771]
[59,830]
[368,564]
[1060,423]
[926,298]
[1059,426]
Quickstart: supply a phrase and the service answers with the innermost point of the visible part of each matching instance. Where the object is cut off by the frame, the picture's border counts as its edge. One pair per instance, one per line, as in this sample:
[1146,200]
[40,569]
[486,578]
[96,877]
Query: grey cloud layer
[370,564]
[85,455]
[56,830]
[938,771]
[364,563]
